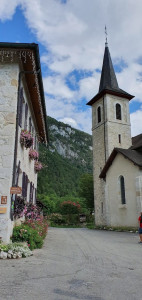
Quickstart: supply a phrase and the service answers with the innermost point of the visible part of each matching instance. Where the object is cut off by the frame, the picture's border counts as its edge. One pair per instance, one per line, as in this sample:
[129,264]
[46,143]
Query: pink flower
[33,154]
[38,166]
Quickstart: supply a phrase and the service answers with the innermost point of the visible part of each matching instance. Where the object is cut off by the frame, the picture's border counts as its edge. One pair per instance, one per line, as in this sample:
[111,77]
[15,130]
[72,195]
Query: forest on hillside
[62,171]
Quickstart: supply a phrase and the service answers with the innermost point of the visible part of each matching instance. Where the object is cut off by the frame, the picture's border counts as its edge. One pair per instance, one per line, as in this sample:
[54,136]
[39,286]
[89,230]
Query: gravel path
[76,264]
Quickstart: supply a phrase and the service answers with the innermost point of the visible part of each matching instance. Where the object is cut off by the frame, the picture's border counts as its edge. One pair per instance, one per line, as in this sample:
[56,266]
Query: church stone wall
[105,137]
[8,107]
[115,127]
[98,163]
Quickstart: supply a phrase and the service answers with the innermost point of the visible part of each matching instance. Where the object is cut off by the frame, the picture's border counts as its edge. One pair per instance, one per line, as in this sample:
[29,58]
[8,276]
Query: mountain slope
[68,156]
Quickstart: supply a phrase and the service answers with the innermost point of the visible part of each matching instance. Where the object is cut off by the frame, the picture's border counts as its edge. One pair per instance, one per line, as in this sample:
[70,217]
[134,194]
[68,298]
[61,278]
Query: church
[117,158]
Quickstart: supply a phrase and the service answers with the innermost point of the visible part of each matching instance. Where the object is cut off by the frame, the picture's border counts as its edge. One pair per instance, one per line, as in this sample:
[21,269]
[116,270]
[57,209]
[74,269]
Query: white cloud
[136,122]
[69,121]
[73,36]
[56,86]
[7,9]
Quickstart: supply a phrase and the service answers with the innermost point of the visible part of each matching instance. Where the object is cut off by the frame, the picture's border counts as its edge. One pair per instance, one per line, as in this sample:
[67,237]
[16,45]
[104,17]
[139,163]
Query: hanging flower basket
[33,154]
[38,166]
[26,138]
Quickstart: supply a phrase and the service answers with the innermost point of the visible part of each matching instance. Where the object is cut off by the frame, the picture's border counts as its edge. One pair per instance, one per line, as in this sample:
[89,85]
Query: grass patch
[113,228]
[64,226]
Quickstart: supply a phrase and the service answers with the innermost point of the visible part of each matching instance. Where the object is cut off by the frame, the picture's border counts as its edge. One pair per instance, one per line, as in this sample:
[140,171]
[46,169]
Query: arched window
[118,111]
[99,114]
[122,190]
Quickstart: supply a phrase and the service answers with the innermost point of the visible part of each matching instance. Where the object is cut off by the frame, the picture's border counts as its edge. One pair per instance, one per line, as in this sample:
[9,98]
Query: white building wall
[119,214]
[9,76]
[8,105]
[26,164]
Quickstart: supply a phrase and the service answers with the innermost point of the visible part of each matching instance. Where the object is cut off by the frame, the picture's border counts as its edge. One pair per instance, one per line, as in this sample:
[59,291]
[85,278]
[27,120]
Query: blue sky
[71,40]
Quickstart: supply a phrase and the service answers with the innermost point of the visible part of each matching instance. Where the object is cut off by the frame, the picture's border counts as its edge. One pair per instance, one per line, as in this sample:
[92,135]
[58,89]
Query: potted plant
[33,154]
[38,166]
[26,138]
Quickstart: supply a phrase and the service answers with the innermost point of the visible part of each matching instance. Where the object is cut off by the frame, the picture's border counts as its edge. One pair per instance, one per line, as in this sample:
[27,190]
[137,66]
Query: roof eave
[35,47]
[111,92]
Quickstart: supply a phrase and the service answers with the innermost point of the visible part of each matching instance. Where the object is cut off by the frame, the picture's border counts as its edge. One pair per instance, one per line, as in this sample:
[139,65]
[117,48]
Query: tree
[86,190]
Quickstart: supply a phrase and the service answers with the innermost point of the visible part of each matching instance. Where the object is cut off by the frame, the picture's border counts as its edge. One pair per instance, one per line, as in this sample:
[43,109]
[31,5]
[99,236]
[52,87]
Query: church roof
[133,155]
[137,142]
[108,81]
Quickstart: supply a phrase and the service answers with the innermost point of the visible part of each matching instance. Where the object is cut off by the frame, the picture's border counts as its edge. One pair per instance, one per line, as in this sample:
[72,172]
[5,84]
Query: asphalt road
[77,264]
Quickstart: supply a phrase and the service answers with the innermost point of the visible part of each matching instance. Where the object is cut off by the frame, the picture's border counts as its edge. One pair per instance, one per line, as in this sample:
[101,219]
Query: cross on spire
[106,35]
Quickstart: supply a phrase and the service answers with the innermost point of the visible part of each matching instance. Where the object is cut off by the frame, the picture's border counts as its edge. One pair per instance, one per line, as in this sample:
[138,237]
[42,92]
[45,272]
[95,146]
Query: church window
[99,114]
[118,111]
[119,138]
[122,190]
[102,207]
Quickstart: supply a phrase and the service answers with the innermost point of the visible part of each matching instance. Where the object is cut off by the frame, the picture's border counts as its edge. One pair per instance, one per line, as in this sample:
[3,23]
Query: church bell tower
[110,128]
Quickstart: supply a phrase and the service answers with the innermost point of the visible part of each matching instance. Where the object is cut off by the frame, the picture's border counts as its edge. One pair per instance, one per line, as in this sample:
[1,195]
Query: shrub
[40,225]
[56,219]
[24,233]
[69,207]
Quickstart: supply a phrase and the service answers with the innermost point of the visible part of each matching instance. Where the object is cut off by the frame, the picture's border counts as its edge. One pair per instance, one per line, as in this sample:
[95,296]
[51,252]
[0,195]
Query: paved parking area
[77,264]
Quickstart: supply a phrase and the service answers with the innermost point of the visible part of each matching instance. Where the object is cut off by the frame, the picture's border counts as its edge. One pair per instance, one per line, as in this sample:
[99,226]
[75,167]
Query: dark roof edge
[111,158]
[111,92]
[17,45]
[35,47]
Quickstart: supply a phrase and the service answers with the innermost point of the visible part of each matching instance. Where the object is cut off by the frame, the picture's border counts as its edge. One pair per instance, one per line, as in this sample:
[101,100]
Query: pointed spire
[108,77]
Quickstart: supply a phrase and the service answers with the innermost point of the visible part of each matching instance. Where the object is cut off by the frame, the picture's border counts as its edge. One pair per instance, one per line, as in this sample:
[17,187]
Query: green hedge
[24,233]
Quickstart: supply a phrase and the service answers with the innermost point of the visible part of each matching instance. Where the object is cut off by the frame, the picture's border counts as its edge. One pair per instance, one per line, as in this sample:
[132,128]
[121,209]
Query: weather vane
[106,34]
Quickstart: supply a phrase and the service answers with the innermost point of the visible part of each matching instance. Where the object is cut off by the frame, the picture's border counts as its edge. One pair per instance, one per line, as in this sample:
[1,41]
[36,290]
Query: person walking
[140,227]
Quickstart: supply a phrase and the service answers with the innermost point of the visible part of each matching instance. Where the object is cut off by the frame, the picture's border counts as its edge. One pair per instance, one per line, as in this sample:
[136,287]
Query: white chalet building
[22,109]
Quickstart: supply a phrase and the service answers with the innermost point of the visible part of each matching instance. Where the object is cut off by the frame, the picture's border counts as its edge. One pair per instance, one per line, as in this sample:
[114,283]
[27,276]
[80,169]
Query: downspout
[21,73]
[104,128]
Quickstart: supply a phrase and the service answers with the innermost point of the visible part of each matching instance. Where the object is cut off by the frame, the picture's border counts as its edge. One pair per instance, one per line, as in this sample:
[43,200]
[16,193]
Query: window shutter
[35,142]
[30,198]
[20,107]
[26,116]
[17,173]
[30,124]
[35,196]
[26,185]
[32,192]
[23,184]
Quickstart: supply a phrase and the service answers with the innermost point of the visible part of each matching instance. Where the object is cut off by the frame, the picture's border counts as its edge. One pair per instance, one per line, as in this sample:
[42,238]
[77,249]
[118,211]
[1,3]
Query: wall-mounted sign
[15,190]
[3,210]
[3,199]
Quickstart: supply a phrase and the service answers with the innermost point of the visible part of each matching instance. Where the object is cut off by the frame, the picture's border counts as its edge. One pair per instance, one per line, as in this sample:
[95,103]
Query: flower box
[33,154]
[38,166]
[26,138]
